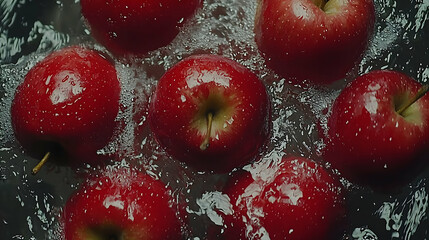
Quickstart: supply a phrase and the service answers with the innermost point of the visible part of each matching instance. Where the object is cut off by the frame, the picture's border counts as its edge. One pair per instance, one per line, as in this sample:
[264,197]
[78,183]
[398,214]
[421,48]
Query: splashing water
[29,30]
[403,219]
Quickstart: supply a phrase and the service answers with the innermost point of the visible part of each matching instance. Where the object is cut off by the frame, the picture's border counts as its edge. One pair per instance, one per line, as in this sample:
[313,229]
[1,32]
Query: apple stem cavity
[320,3]
[42,162]
[422,91]
[206,142]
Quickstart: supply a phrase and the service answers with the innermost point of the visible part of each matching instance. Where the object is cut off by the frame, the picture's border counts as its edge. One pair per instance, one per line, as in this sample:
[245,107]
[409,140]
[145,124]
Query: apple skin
[136,27]
[367,140]
[300,200]
[201,83]
[300,41]
[120,203]
[67,105]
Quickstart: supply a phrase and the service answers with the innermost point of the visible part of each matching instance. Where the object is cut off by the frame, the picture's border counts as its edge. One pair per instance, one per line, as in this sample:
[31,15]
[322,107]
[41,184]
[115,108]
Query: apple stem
[206,141]
[37,168]
[422,91]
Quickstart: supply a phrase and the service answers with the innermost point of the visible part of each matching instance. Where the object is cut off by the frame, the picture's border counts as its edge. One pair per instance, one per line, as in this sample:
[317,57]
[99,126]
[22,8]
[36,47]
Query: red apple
[121,204]
[298,200]
[211,113]
[315,40]
[67,106]
[372,137]
[136,27]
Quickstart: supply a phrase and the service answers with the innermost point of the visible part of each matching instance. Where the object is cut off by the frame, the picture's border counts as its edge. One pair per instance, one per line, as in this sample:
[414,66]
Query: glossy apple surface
[367,139]
[67,105]
[209,84]
[136,27]
[121,204]
[315,40]
[299,200]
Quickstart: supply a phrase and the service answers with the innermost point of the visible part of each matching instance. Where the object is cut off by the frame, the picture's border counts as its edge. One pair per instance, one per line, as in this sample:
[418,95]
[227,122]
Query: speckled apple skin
[303,43]
[67,105]
[367,140]
[132,203]
[175,104]
[297,200]
[136,27]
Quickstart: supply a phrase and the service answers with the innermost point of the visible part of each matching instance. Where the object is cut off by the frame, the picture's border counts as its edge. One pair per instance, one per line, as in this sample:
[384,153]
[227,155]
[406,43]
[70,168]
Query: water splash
[210,203]
[363,234]
[221,27]
[404,218]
